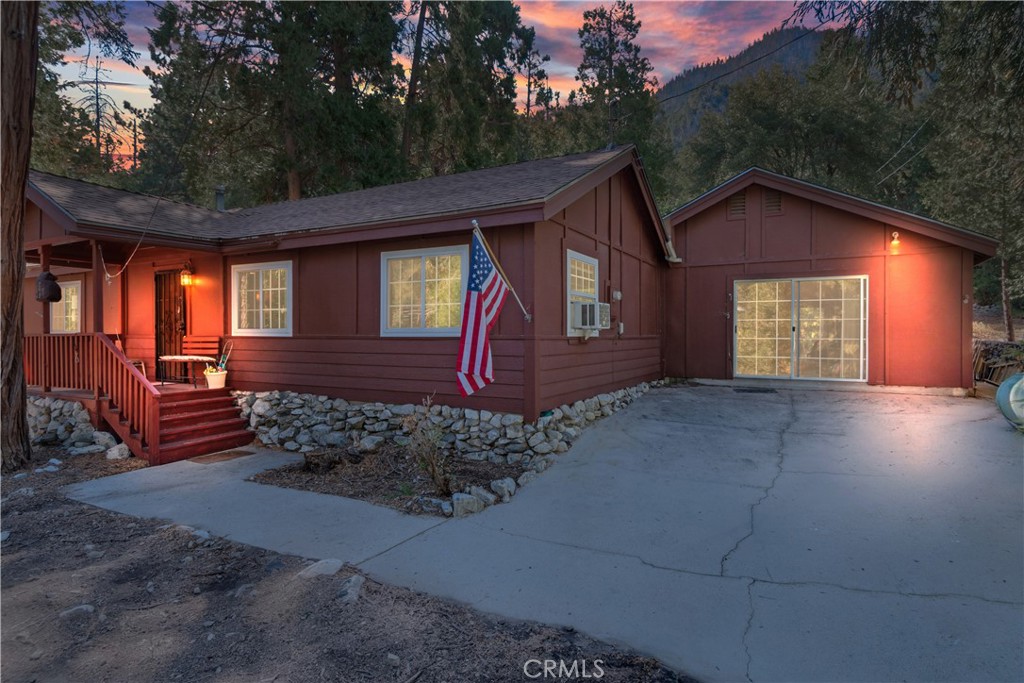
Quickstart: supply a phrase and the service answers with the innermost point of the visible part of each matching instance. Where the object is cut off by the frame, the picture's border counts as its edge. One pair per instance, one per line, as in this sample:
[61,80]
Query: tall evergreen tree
[299,97]
[465,114]
[615,103]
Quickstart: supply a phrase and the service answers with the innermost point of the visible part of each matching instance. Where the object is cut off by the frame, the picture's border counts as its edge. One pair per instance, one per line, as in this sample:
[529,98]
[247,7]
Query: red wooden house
[355,295]
[358,295]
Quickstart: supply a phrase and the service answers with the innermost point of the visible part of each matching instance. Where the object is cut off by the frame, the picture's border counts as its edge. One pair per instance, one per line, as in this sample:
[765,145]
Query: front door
[170,320]
[801,328]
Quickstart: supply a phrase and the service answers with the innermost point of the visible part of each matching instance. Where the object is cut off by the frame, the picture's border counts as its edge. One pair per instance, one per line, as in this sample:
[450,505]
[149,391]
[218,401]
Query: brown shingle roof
[502,186]
[509,186]
[91,204]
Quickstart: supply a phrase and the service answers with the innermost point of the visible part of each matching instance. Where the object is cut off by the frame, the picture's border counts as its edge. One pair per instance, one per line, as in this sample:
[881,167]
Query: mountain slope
[794,49]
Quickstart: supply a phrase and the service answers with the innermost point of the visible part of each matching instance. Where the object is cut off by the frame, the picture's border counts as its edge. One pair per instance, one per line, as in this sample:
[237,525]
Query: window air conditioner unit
[591,315]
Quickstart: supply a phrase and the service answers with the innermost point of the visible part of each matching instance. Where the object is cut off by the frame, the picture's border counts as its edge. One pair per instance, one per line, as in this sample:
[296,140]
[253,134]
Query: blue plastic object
[1010,399]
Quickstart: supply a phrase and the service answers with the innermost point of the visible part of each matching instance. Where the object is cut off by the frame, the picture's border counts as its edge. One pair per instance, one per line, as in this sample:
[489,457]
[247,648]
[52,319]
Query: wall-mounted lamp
[186,275]
[895,240]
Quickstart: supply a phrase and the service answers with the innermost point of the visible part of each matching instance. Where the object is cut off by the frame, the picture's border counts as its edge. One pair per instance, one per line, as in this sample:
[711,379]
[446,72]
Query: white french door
[801,328]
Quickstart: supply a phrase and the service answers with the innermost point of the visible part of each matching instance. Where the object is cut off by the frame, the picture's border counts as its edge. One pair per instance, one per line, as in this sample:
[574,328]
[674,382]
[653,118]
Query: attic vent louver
[772,202]
[737,206]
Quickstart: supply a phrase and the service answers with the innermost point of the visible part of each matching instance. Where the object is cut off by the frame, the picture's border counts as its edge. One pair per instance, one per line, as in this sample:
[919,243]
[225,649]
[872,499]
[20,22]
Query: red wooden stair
[199,422]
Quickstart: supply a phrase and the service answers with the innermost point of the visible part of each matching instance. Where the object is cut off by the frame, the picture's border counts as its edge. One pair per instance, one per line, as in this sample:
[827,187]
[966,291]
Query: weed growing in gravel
[426,444]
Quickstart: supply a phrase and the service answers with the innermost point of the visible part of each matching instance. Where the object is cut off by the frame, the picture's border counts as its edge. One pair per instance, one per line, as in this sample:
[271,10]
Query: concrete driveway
[790,536]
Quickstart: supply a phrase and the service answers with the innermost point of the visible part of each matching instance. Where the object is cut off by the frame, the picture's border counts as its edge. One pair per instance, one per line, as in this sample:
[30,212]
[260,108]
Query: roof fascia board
[150,238]
[576,190]
[892,217]
[887,216]
[65,220]
[567,194]
[381,231]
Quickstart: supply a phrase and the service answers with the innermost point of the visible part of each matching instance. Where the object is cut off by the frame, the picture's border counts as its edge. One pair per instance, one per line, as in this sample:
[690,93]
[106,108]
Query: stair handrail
[137,399]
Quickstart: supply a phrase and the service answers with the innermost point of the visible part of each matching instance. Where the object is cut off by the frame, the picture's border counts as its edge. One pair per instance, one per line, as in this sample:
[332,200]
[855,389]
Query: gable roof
[502,188]
[514,193]
[981,245]
[105,207]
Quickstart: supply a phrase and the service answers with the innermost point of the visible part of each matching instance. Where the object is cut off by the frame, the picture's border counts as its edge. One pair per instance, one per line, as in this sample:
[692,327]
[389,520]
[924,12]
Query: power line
[745,65]
[909,140]
[916,154]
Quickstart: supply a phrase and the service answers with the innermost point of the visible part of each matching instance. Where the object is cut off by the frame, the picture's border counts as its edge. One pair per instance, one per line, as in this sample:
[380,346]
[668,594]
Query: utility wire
[909,140]
[177,156]
[916,154]
[745,65]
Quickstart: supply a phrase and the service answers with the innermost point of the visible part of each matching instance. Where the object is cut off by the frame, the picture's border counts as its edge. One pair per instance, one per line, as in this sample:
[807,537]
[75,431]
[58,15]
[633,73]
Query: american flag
[485,296]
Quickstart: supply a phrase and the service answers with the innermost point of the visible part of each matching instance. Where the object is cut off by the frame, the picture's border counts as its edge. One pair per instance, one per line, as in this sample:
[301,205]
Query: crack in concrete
[744,577]
[400,543]
[780,455]
[746,629]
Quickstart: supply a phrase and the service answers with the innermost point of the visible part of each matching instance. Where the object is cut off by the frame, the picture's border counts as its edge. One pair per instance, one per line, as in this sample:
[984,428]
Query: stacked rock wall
[305,422]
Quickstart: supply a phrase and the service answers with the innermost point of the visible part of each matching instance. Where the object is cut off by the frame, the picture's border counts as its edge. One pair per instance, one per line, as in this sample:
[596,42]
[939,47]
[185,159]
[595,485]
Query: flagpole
[501,271]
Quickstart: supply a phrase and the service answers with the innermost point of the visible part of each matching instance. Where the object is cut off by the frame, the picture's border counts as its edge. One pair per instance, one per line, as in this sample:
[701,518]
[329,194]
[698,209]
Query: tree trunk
[1004,281]
[291,153]
[414,80]
[18,84]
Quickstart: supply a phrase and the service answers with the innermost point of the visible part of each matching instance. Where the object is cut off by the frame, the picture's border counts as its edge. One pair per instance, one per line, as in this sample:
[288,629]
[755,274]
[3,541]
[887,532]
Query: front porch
[159,422]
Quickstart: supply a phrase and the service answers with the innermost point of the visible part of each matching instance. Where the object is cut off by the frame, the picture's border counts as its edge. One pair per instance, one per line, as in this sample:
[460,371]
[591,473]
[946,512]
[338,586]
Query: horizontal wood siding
[608,224]
[336,348]
[574,371]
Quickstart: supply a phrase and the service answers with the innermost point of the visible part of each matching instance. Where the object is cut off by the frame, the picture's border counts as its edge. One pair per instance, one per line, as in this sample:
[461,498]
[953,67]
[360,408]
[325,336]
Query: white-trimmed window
[581,284]
[66,314]
[261,299]
[422,290]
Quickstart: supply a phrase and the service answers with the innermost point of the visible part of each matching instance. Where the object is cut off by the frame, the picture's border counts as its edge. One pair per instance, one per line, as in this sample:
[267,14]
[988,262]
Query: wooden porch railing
[91,362]
[60,361]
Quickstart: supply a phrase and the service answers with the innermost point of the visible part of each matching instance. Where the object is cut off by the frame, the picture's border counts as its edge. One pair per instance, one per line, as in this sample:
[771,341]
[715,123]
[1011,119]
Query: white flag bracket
[501,271]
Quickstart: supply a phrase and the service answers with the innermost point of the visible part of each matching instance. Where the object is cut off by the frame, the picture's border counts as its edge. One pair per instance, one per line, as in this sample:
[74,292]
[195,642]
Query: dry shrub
[426,444]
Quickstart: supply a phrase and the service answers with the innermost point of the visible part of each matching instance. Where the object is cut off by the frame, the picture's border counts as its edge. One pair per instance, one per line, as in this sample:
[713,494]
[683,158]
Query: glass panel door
[801,328]
[764,328]
[831,329]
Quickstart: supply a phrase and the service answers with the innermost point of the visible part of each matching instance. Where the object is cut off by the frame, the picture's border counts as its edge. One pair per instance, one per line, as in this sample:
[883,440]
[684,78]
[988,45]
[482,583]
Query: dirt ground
[89,595]
[392,477]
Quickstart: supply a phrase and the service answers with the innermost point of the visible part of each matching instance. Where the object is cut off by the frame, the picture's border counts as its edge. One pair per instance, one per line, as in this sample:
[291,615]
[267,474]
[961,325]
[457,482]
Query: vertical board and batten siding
[609,224]
[919,331]
[336,347]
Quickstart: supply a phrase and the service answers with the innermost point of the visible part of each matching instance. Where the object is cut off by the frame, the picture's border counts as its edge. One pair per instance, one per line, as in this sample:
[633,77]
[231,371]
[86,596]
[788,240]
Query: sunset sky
[674,36]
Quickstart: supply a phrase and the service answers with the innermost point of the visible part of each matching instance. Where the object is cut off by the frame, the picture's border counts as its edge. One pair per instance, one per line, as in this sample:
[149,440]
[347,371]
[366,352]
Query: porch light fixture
[186,275]
[895,244]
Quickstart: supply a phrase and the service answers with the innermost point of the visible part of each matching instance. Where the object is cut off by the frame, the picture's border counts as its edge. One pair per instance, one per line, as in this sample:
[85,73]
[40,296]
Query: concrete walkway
[790,536]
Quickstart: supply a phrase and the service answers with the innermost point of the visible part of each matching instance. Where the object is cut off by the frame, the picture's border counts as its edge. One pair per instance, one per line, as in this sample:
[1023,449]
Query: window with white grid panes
[261,299]
[581,284]
[66,314]
[422,291]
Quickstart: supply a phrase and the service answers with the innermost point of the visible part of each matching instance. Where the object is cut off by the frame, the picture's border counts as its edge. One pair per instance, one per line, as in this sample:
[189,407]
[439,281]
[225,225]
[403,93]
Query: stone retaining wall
[53,421]
[305,422]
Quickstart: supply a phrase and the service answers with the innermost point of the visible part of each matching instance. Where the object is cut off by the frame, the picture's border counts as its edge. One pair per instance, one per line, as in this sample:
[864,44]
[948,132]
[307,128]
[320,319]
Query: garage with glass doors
[781,279]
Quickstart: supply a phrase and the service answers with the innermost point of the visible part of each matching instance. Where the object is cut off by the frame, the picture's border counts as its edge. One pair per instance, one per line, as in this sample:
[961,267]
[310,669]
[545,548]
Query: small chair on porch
[195,349]
[140,364]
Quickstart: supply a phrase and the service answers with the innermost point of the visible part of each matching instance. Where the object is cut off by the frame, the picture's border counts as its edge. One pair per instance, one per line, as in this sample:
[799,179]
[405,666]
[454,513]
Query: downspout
[671,256]
[670,250]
